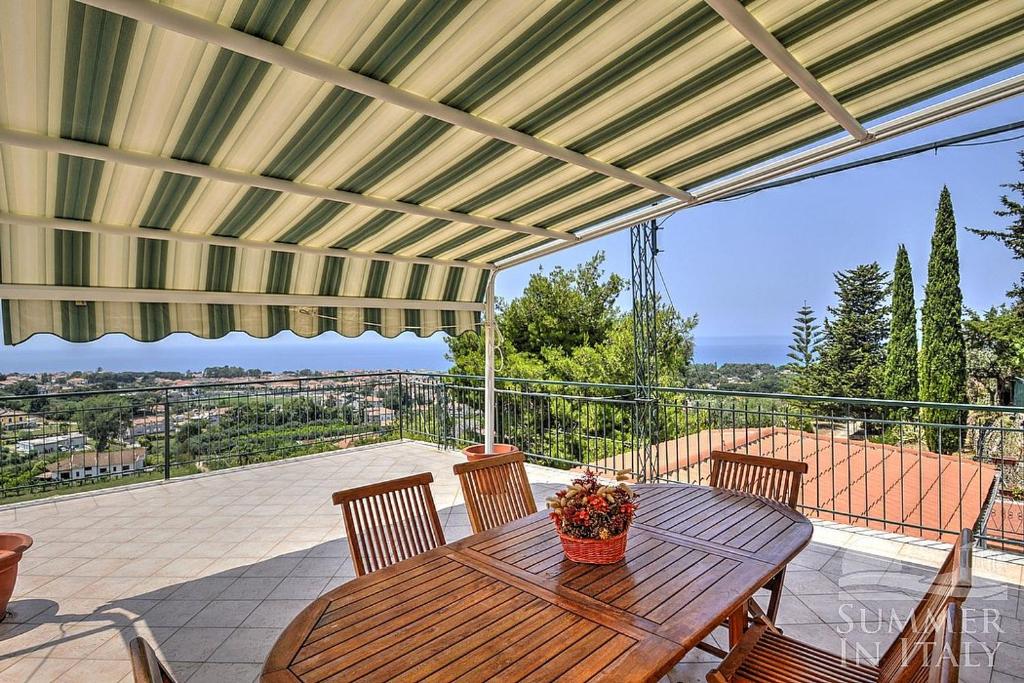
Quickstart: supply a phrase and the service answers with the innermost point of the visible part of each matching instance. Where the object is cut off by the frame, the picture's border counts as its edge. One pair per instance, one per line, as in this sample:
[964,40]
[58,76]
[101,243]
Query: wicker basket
[594,550]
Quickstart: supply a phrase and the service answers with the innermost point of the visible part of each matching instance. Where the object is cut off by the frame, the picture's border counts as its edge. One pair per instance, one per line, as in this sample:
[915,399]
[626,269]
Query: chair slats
[771,478]
[496,490]
[908,653]
[390,521]
[928,648]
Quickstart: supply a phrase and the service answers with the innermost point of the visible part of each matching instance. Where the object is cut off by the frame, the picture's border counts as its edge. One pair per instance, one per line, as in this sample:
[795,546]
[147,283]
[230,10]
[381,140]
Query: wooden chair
[927,649]
[390,521]
[771,478]
[146,667]
[496,490]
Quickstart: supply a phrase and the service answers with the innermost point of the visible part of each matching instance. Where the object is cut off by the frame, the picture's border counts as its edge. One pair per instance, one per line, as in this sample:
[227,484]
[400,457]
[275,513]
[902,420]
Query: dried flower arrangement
[588,509]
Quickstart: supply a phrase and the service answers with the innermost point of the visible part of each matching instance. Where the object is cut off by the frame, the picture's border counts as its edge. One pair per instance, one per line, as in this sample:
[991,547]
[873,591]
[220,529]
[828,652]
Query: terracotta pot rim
[24,544]
[476,451]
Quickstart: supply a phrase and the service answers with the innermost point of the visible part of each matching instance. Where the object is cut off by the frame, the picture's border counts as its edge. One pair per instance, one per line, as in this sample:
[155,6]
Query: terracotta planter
[12,545]
[594,550]
[477,451]
[490,483]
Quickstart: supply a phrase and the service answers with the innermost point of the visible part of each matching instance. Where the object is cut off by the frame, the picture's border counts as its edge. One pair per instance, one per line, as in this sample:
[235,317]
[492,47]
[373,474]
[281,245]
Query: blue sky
[743,266]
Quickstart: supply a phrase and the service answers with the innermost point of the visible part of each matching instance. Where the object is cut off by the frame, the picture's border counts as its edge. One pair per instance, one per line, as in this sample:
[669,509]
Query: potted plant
[592,519]
[12,545]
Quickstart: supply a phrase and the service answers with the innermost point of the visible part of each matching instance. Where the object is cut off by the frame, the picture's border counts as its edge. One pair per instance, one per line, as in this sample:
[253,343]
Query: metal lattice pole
[644,243]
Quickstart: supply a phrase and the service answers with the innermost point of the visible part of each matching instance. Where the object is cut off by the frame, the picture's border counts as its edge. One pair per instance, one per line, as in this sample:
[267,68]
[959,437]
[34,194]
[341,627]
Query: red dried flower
[590,509]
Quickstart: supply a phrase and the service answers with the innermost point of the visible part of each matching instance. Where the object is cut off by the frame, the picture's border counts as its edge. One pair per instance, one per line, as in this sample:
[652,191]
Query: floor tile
[219,565]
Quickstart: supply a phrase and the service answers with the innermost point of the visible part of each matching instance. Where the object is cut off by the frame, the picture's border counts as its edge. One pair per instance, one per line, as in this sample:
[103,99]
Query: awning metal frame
[264,50]
[89,150]
[963,104]
[757,35]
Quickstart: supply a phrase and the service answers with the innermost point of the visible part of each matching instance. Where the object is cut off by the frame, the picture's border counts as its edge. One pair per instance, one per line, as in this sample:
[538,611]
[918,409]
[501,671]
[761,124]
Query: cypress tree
[852,356]
[943,362]
[900,382]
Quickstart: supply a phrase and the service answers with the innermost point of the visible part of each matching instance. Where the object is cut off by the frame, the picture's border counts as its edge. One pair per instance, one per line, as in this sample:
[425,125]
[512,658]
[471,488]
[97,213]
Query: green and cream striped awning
[353,165]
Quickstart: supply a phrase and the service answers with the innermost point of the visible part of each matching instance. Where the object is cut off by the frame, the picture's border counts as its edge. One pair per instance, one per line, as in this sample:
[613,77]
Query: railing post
[167,434]
[401,407]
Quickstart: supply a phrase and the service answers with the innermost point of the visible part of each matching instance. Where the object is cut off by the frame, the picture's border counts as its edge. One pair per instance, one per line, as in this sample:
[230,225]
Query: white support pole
[489,340]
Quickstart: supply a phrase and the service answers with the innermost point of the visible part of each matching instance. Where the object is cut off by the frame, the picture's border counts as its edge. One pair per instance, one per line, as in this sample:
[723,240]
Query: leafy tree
[852,351]
[612,360]
[25,387]
[995,338]
[995,350]
[566,326]
[563,310]
[901,353]
[943,362]
[1013,235]
[103,418]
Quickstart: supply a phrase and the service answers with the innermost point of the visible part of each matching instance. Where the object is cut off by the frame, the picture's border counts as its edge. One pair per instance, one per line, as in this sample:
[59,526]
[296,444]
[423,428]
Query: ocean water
[288,352]
[755,349]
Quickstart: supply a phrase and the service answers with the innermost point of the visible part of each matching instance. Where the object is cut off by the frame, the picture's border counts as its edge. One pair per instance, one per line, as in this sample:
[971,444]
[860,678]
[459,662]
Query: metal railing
[95,439]
[921,469]
[913,468]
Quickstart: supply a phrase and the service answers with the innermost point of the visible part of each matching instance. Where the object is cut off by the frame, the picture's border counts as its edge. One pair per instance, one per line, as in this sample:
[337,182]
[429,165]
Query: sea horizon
[324,353]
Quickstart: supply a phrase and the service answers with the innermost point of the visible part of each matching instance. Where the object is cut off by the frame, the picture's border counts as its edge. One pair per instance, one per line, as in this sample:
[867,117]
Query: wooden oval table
[506,605]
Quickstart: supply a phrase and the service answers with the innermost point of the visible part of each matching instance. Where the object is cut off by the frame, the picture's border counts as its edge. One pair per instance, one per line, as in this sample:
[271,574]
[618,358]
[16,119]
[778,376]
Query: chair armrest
[758,616]
[732,662]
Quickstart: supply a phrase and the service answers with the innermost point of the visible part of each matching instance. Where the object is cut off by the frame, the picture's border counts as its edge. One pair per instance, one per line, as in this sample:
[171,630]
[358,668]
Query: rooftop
[127,456]
[210,568]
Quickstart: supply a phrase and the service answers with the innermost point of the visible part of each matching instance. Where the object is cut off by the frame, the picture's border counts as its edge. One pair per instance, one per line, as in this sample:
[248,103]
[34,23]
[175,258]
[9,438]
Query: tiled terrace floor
[210,569]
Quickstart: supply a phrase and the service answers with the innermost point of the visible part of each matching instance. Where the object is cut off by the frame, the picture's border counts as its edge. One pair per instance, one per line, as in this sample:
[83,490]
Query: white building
[380,416]
[145,426]
[93,464]
[51,444]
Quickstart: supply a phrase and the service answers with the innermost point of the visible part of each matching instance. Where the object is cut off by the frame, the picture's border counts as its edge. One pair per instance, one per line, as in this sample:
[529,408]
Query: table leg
[737,625]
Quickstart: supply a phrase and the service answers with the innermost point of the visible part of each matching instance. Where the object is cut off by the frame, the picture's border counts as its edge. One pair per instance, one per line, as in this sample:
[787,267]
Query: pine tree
[852,352]
[803,351]
[1012,236]
[901,351]
[806,336]
[943,363]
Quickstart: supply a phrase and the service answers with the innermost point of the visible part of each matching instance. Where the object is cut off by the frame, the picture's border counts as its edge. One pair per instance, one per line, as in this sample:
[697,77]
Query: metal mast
[644,244]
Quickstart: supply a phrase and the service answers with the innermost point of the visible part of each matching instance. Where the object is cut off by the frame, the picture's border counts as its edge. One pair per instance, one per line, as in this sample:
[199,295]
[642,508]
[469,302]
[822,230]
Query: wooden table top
[507,605]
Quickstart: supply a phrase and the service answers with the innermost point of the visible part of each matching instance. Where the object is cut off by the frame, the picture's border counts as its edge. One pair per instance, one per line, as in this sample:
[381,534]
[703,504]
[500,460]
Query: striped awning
[260,165]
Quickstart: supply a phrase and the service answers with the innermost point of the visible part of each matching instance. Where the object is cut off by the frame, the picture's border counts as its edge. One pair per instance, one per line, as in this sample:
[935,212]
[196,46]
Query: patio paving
[211,568]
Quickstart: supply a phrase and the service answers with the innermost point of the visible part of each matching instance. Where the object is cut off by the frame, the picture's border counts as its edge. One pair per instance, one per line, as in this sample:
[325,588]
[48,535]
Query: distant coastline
[288,352]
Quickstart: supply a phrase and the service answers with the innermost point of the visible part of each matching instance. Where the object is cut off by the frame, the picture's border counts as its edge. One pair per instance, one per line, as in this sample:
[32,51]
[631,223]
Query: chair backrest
[910,658]
[771,478]
[390,521]
[146,667]
[496,490]
[944,664]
